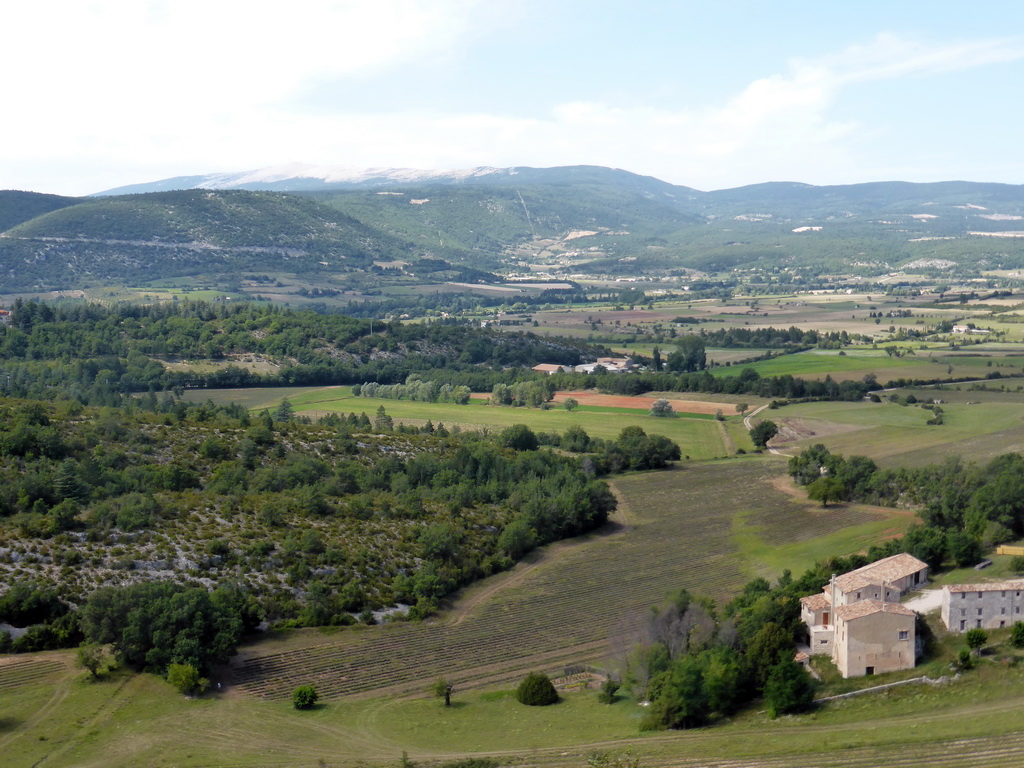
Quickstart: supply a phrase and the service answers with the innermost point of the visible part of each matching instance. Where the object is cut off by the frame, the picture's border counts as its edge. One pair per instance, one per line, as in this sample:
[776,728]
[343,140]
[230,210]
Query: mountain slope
[17,207]
[188,232]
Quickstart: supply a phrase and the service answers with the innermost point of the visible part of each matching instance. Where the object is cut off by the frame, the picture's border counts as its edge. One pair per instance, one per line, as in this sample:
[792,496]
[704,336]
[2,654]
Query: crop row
[18,672]
[563,611]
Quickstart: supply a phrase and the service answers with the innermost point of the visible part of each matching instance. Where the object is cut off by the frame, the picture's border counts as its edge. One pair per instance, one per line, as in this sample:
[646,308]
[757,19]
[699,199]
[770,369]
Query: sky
[711,95]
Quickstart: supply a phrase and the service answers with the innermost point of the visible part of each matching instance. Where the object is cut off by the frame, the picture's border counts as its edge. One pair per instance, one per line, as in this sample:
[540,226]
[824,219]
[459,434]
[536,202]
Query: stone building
[872,637]
[984,606]
[865,601]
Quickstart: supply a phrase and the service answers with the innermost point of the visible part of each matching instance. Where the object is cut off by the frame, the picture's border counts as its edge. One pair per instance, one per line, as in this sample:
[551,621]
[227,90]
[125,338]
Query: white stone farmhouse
[982,606]
[858,621]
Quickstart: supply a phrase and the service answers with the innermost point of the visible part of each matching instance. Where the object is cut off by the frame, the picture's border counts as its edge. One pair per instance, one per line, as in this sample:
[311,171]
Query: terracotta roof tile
[886,571]
[992,586]
[869,607]
[816,602]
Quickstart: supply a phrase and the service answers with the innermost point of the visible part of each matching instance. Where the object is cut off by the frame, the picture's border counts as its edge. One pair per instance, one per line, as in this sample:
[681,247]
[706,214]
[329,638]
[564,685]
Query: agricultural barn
[985,606]
[872,637]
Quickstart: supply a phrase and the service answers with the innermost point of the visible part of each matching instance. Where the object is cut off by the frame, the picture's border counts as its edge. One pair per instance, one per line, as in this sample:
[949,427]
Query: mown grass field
[977,426]
[699,436]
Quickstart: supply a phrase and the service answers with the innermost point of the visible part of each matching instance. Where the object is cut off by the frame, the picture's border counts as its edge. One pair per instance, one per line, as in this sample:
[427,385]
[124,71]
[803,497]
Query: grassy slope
[976,719]
[897,435]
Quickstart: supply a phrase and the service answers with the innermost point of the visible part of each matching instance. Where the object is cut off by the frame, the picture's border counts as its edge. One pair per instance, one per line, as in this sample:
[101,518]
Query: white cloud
[128,91]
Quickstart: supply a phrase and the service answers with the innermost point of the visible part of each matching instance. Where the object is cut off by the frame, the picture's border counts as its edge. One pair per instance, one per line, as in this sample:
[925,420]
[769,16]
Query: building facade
[982,606]
[858,621]
[872,637]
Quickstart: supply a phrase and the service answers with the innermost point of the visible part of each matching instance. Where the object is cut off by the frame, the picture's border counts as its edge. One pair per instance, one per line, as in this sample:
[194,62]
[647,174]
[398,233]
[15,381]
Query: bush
[1017,635]
[976,638]
[1017,564]
[789,688]
[536,690]
[964,660]
[186,678]
[304,697]
[608,690]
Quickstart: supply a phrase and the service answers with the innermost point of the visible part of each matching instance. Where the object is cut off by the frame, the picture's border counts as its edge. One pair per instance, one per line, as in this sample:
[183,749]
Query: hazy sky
[101,93]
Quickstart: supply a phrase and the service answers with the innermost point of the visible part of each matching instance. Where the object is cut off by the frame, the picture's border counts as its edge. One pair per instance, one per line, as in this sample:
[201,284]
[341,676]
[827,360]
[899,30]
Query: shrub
[608,690]
[1017,564]
[304,697]
[964,660]
[789,688]
[536,690]
[1017,635]
[976,638]
[186,678]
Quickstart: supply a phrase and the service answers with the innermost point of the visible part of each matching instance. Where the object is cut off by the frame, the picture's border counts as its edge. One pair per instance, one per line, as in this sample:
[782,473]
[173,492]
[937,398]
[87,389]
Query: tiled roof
[884,571]
[816,602]
[869,607]
[992,586]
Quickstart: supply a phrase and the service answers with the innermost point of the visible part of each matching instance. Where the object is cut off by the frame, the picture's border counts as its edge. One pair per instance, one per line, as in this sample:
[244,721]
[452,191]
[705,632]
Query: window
[1016,609]
[979,611]
[963,625]
[1003,593]
[904,634]
[1002,624]
[963,611]
[979,595]
[978,625]
[963,595]
[1002,610]
[858,595]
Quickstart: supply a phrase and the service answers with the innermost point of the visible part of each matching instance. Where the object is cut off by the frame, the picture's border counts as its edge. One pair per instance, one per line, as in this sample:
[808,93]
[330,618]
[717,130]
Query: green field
[699,436]
[570,605]
[977,425]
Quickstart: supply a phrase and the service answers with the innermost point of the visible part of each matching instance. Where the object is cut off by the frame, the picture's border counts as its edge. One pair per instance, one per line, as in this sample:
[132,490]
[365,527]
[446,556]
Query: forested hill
[144,237]
[577,219]
[18,207]
[94,352]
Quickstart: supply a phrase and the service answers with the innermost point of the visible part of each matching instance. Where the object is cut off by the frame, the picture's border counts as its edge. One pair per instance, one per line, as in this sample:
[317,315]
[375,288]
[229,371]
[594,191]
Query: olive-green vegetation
[966,508]
[93,353]
[310,523]
[536,690]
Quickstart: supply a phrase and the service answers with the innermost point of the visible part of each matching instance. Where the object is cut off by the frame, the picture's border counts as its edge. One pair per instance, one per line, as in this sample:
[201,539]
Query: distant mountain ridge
[331,223]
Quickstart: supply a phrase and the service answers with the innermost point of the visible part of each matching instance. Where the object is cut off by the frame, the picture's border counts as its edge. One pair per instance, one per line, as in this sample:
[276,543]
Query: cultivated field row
[573,609]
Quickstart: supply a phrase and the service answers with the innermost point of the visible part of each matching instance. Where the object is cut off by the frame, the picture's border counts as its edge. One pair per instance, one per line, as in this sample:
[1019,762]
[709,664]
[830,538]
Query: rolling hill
[332,224]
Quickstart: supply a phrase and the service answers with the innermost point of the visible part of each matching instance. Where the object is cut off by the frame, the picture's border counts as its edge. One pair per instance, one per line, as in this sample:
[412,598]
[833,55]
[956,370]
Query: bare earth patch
[587,397]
